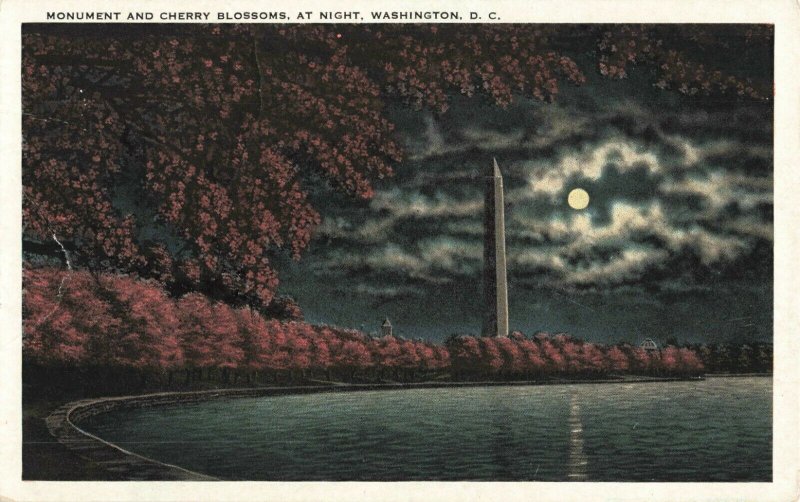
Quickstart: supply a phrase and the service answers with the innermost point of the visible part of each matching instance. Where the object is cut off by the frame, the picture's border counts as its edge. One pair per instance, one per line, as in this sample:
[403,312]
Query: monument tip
[496,169]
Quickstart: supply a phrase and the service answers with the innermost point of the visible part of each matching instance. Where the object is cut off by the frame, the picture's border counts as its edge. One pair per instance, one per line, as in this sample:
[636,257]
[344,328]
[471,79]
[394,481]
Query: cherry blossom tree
[148,334]
[617,359]
[52,330]
[120,325]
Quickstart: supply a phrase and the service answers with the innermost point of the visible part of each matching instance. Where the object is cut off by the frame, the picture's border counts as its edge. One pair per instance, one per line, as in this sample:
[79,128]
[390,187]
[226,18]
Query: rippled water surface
[719,429]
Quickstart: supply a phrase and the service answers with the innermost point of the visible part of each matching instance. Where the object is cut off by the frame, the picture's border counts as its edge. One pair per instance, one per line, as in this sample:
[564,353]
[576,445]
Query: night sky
[676,240]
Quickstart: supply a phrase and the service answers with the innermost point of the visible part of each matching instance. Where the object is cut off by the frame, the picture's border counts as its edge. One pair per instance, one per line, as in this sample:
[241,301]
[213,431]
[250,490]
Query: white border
[785,14]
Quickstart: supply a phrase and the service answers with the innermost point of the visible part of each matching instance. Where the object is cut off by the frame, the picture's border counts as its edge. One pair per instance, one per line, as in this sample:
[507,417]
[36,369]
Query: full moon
[578,198]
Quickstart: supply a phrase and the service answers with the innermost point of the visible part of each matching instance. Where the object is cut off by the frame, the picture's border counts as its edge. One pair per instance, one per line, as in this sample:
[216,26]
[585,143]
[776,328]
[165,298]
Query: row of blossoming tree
[75,319]
[544,355]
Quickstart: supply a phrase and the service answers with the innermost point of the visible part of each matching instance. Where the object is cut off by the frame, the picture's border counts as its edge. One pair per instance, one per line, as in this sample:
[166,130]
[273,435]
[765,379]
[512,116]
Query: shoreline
[63,423]
[736,375]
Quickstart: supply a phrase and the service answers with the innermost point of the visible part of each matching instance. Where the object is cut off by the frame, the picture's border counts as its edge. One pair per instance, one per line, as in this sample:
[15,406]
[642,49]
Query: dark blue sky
[676,241]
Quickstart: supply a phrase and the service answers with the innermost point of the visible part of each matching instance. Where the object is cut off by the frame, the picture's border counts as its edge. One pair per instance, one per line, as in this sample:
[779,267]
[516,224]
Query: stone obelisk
[495,287]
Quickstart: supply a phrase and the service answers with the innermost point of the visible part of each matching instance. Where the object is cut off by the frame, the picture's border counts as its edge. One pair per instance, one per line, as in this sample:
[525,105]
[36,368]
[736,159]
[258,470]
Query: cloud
[670,187]
[433,261]
[719,189]
[453,256]
[636,240]
[387,291]
[707,151]
[389,207]
[590,163]
[566,252]
[491,139]
[629,264]
[393,257]
[751,227]
[578,231]
[431,143]
[400,203]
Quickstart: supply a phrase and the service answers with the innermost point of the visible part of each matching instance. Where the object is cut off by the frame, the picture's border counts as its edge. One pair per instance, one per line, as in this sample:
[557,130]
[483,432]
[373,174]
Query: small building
[649,345]
[386,328]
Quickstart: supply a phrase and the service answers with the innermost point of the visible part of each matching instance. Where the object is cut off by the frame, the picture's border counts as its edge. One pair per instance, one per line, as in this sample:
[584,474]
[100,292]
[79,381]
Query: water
[714,430]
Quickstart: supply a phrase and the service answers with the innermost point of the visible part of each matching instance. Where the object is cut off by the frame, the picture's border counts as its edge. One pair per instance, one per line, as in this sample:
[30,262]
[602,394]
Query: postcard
[400,250]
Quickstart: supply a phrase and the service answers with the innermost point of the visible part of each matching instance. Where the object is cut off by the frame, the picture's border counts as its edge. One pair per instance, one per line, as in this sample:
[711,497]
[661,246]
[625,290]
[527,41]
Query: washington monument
[495,288]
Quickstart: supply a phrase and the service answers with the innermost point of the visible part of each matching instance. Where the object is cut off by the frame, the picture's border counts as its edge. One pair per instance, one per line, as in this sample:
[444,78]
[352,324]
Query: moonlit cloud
[578,230]
[392,206]
[638,237]
[392,257]
[488,139]
[401,204]
[750,227]
[628,237]
[591,163]
[628,265]
[719,189]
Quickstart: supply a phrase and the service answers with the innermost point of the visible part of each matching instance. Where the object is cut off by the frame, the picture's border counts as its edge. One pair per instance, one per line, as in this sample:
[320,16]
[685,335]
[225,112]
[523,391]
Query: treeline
[79,321]
[543,355]
[103,327]
[753,357]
